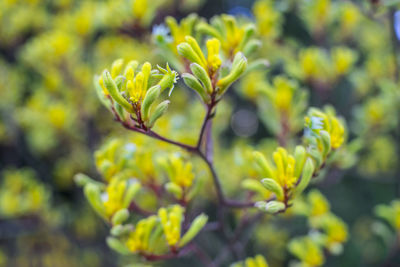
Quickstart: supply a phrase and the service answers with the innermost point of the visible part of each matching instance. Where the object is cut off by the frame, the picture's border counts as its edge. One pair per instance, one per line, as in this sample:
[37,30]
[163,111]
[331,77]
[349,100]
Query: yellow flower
[307,251]
[171,223]
[138,240]
[285,164]
[213,58]
[283,93]
[329,123]
[267,18]
[318,203]
[343,59]
[115,193]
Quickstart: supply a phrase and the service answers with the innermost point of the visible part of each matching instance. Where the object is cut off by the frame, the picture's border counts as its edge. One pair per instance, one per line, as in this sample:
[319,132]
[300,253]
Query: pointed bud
[114,92]
[273,186]
[251,47]
[93,195]
[119,81]
[206,29]
[263,164]
[194,84]
[158,112]
[116,67]
[152,94]
[255,186]
[326,142]
[202,75]
[306,176]
[120,216]
[316,156]
[174,190]
[185,50]
[117,246]
[133,188]
[239,65]
[271,206]
[194,229]
[196,48]
[300,156]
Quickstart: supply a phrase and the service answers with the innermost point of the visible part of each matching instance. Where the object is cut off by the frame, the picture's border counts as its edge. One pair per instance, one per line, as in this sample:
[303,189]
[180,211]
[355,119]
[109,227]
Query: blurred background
[342,53]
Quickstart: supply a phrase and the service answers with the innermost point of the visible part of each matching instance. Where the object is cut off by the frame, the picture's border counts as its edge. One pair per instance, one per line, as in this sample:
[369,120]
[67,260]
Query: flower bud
[152,94]
[300,155]
[263,164]
[238,67]
[174,190]
[120,216]
[117,246]
[254,185]
[271,206]
[193,83]
[306,176]
[273,186]
[133,187]
[116,67]
[158,112]
[196,48]
[251,47]
[194,229]
[202,75]
[326,142]
[118,230]
[114,92]
[206,29]
[93,194]
[185,50]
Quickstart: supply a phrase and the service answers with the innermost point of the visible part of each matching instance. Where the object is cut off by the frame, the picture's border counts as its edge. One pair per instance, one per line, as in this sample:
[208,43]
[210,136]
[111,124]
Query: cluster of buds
[288,175]
[307,251]
[285,105]
[328,232]
[155,236]
[324,133]
[109,200]
[321,68]
[132,91]
[150,237]
[182,184]
[207,77]
[233,37]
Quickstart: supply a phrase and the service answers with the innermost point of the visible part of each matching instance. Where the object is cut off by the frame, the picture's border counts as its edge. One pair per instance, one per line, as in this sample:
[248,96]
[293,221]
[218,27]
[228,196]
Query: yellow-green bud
[271,206]
[202,75]
[300,156]
[306,176]
[194,229]
[151,95]
[120,216]
[117,246]
[114,92]
[273,186]
[93,194]
[158,112]
[253,185]
[263,164]
[238,67]
[174,189]
[185,50]
[133,187]
[193,83]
